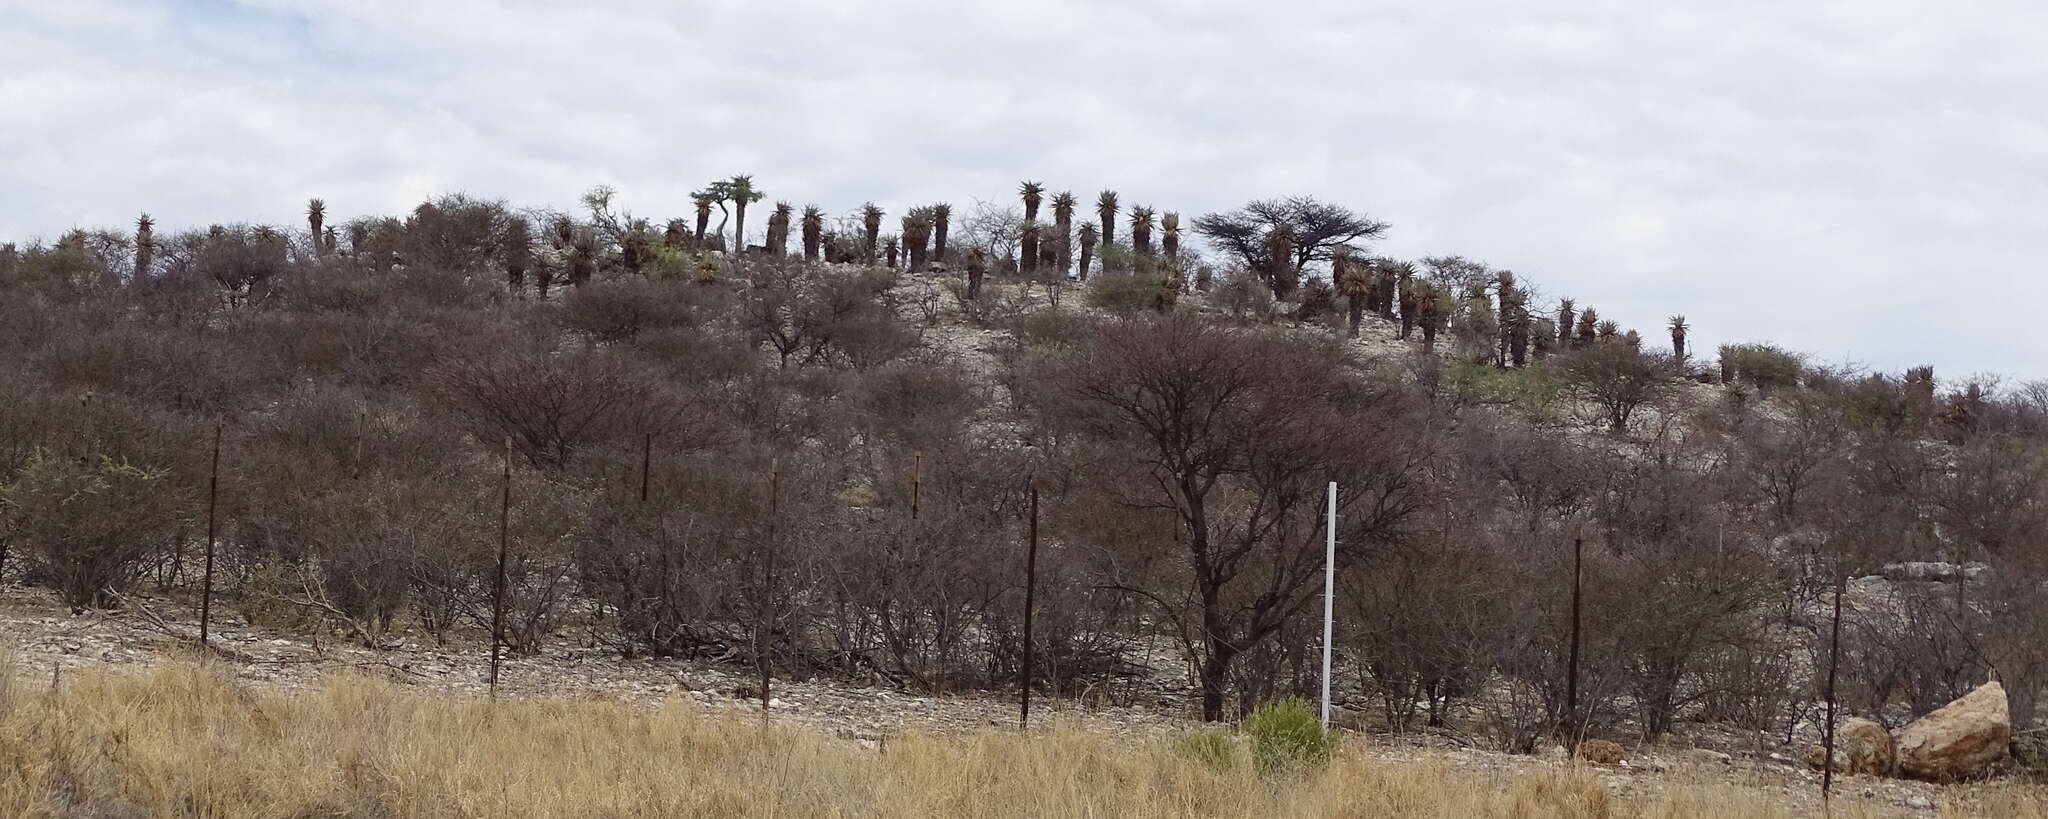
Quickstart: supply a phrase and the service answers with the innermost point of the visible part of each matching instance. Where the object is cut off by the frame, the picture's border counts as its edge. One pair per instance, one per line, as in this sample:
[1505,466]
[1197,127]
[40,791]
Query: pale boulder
[1964,739]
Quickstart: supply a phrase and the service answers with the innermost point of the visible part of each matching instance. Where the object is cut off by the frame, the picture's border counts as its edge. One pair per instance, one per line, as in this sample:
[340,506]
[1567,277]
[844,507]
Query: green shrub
[1287,735]
[1765,367]
[1212,746]
[1532,390]
[1124,293]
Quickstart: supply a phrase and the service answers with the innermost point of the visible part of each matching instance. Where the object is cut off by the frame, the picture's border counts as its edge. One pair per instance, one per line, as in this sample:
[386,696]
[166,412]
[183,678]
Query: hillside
[640,464]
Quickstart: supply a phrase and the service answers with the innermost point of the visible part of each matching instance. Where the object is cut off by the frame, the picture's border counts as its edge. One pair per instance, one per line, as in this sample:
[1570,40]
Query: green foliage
[1124,293]
[93,519]
[2030,756]
[1766,367]
[1212,746]
[1533,390]
[1287,735]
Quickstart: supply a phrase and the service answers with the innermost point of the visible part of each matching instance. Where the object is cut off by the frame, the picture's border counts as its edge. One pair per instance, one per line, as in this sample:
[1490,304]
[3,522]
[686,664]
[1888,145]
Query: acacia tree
[1231,433]
[1619,379]
[1320,230]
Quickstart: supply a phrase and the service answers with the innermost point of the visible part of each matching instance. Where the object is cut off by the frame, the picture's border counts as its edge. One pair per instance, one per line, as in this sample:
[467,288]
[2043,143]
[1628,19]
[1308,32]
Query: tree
[814,228]
[1063,229]
[917,234]
[1169,240]
[1141,230]
[1353,282]
[1678,328]
[1320,230]
[871,224]
[703,201]
[1033,193]
[942,220]
[1231,434]
[1105,214]
[778,229]
[94,519]
[740,189]
[1087,239]
[1619,379]
[1280,272]
[515,252]
[145,247]
[316,218]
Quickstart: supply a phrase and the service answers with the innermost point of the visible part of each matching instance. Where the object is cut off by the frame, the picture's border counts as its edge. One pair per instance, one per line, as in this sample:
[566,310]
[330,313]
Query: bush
[1124,293]
[1212,746]
[1765,367]
[96,521]
[1287,735]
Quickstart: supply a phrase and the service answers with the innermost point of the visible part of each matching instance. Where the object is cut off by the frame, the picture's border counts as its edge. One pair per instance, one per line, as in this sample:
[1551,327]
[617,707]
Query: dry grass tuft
[182,741]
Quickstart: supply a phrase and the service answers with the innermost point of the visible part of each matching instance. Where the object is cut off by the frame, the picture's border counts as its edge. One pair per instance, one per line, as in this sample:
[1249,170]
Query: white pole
[1329,600]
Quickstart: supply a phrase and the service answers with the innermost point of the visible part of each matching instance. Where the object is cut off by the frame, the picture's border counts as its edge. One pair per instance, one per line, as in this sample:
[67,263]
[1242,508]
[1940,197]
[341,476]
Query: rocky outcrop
[1861,747]
[1962,740]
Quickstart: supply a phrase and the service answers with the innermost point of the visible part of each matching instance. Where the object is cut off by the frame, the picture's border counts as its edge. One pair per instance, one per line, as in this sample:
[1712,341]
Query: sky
[1860,181]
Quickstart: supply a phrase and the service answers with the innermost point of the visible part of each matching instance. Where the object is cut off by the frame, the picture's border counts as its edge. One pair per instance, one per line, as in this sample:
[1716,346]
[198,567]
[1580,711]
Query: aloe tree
[583,257]
[942,218]
[1028,239]
[1032,192]
[1430,302]
[1589,327]
[1411,303]
[917,236]
[331,241]
[316,219]
[740,189]
[1678,328]
[1141,230]
[871,223]
[515,249]
[977,269]
[703,199]
[1063,226]
[1567,316]
[891,249]
[1353,279]
[1609,331]
[814,229]
[778,229]
[1280,261]
[1169,240]
[677,235]
[1087,239]
[1105,211]
[1504,293]
[145,246]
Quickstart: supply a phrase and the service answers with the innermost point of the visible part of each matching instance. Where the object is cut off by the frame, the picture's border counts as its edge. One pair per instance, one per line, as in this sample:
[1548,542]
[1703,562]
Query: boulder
[1861,747]
[1964,739]
[1601,752]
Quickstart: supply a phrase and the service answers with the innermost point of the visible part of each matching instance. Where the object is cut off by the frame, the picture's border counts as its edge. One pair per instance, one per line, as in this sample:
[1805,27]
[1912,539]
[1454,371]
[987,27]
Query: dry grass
[182,741]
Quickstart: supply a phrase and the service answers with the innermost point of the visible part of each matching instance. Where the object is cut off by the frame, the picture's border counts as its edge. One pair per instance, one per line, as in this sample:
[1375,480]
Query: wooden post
[1571,683]
[916,481]
[498,582]
[1827,771]
[768,584]
[206,576]
[646,463]
[1030,607]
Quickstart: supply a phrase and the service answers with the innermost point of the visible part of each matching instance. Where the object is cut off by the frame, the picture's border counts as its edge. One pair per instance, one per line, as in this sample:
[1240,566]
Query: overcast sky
[1857,180]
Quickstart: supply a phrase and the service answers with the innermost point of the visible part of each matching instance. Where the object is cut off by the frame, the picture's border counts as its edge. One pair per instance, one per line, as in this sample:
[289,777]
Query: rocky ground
[46,641]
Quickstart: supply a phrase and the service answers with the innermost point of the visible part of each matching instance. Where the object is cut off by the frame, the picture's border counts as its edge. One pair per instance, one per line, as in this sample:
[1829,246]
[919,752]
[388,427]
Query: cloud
[1853,180]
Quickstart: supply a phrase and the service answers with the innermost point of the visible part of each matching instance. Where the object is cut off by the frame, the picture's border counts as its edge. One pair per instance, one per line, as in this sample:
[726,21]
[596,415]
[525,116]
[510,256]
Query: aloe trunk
[1063,225]
[814,229]
[145,246]
[871,223]
[1029,240]
[1087,239]
[942,217]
